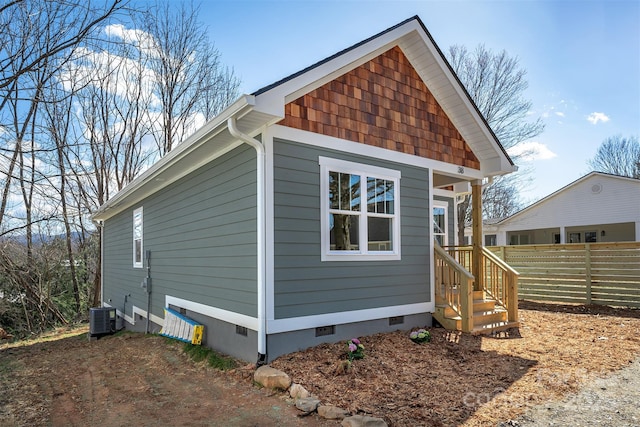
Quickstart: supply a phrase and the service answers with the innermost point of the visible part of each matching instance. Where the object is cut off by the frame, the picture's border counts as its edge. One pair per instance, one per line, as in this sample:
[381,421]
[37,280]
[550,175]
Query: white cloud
[594,118]
[138,38]
[531,151]
[559,114]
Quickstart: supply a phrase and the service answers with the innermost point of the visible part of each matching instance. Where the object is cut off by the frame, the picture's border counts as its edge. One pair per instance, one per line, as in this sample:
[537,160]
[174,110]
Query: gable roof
[561,191]
[266,106]
[419,47]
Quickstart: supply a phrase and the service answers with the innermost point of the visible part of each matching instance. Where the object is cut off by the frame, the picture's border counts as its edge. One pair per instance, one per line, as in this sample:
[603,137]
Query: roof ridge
[335,55]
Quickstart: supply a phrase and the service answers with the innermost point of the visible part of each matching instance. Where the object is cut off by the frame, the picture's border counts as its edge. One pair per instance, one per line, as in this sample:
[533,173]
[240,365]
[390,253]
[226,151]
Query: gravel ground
[611,401]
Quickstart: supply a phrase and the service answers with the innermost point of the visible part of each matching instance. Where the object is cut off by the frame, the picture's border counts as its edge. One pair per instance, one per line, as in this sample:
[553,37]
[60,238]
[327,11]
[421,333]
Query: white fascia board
[449,104]
[307,322]
[462,187]
[333,143]
[443,193]
[498,165]
[415,43]
[201,136]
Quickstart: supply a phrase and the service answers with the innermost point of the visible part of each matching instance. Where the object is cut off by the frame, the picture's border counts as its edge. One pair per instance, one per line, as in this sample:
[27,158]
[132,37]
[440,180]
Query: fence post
[587,261]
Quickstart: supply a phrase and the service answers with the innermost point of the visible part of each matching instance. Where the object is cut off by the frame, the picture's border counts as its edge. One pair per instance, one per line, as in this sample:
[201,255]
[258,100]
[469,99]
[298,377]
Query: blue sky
[582,57]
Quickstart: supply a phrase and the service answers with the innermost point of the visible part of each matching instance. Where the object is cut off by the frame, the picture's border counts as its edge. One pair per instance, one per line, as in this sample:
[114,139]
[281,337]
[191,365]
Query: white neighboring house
[598,207]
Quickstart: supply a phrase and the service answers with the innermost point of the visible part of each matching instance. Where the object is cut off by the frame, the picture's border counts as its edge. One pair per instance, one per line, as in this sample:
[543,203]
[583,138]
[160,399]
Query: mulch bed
[459,379]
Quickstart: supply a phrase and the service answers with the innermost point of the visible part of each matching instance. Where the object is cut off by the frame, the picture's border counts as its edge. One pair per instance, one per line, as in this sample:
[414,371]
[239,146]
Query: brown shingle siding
[382,103]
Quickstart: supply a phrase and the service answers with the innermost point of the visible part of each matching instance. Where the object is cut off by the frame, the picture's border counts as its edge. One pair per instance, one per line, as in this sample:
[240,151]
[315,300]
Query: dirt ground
[456,379]
[130,379]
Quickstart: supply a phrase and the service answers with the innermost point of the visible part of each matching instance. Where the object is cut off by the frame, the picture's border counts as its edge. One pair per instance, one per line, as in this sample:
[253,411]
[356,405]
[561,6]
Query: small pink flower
[352,347]
[356,341]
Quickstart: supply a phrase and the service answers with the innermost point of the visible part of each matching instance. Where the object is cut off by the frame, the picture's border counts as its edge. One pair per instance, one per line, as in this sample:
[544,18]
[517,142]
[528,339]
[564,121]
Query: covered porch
[475,291]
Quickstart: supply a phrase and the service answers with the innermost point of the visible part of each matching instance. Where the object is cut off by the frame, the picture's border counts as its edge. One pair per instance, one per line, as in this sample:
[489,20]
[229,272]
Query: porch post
[476,239]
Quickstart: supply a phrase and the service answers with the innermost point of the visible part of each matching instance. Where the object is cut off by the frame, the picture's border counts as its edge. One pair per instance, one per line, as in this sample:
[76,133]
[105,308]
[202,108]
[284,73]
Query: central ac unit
[102,321]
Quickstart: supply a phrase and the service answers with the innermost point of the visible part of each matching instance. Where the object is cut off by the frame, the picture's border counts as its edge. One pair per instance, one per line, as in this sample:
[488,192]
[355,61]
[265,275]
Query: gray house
[258,227]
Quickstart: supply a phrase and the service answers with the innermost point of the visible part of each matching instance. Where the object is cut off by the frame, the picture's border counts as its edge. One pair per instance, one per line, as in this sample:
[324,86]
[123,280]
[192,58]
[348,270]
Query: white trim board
[333,143]
[214,312]
[289,324]
[143,313]
[267,141]
[307,322]
[129,320]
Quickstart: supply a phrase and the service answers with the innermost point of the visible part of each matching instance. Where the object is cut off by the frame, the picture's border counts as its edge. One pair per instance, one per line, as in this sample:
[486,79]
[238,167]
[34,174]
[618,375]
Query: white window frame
[438,204]
[327,165]
[137,213]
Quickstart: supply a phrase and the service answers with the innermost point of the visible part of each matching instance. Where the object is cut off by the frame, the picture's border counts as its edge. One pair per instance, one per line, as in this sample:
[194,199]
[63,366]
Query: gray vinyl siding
[201,231]
[303,285]
[451,224]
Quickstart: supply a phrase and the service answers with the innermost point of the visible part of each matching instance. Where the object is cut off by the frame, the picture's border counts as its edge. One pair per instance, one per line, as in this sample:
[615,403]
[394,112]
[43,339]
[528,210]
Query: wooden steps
[487,317]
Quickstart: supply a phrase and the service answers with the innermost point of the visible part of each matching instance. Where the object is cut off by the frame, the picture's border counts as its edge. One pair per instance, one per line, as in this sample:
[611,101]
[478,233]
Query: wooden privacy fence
[584,273]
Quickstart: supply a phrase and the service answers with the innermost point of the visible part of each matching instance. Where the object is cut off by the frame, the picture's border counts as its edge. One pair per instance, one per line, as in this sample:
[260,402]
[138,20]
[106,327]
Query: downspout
[261,239]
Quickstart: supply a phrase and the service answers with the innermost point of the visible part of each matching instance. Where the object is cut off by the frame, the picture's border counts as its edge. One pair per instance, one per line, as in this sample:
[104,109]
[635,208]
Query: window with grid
[360,211]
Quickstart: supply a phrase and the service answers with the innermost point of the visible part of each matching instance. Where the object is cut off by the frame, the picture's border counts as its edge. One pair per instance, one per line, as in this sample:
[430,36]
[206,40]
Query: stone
[307,404]
[332,412]
[272,378]
[296,391]
[363,421]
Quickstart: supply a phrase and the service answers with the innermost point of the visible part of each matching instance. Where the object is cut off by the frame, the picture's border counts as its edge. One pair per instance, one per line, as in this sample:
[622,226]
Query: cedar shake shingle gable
[383,103]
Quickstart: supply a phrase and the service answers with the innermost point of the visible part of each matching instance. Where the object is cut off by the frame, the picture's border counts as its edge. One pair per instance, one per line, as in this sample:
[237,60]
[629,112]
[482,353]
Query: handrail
[495,258]
[454,286]
[499,280]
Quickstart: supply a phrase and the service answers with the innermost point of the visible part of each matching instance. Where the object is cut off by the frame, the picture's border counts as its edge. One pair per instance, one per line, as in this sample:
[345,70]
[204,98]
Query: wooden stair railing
[500,282]
[492,307]
[453,291]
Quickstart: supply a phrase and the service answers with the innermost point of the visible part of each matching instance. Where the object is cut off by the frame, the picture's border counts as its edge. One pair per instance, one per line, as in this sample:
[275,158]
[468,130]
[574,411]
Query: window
[490,240]
[440,225]
[519,239]
[590,236]
[574,238]
[360,211]
[137,238]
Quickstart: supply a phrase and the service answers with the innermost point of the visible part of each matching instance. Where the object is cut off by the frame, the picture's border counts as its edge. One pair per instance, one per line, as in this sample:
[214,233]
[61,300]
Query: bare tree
[496,83]
[37,39]
[188,79]
[111,94]
[24,24]
[85,106]
[619,156]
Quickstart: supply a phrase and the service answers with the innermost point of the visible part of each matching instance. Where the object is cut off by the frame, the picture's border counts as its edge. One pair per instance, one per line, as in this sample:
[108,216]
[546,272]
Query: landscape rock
[272,378]
[363,421]
[332,412]
[307,404]
[296,391]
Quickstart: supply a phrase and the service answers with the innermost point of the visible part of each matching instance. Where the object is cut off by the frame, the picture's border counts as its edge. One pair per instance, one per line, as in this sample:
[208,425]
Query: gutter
[261,238]
[200,137]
